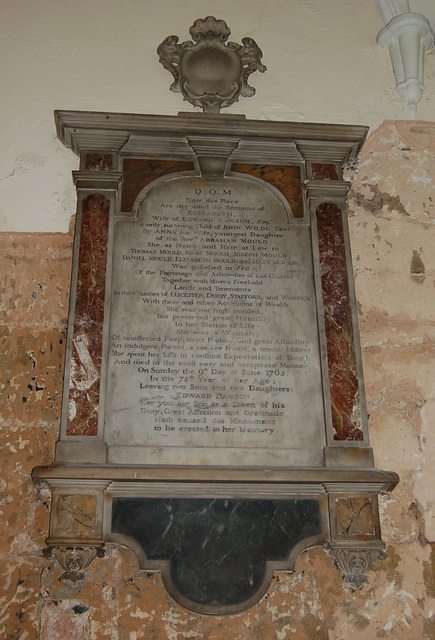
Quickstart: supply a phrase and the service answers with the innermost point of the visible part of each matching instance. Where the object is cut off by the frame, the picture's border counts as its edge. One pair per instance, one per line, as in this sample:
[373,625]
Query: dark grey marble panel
[217,548]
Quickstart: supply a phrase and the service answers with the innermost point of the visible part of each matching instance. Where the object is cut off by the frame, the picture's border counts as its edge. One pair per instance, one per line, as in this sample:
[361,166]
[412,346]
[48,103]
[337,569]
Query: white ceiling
[426,8]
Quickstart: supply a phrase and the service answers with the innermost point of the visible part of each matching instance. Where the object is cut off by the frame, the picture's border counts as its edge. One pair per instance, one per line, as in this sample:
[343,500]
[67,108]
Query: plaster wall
[323,66]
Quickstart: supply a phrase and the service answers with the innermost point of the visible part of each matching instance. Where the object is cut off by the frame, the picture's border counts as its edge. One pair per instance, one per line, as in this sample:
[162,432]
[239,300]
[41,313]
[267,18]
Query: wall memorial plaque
[213,417]
[214,350]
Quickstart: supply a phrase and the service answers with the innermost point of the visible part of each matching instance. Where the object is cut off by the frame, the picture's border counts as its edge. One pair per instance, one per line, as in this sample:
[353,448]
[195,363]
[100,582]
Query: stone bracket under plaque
[213,372]
[74,560]
[354,562]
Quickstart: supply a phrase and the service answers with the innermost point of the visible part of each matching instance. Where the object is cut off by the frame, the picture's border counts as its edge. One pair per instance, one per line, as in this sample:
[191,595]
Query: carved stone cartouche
[209,73]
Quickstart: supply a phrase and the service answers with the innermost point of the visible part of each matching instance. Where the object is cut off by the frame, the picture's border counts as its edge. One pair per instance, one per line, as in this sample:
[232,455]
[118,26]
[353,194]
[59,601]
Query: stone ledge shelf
[219,478]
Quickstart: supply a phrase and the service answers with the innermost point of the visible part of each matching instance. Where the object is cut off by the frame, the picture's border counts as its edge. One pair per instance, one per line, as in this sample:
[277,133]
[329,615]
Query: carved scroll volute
[74,560]
[209,73]
[354,563]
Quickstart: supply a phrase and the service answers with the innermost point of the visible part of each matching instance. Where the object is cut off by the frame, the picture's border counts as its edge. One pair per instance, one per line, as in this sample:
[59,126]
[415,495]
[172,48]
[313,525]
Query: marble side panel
[343,377]
[354,516]
[320,171]
[286,179]
[88,319]
[138,173]
[99,162]
[76,514]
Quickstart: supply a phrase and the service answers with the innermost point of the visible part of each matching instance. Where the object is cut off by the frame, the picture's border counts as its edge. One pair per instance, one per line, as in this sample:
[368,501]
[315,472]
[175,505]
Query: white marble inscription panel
[213,353]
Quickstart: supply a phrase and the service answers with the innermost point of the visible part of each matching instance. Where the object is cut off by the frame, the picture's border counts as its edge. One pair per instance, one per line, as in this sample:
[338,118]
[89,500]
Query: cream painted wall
[323,65]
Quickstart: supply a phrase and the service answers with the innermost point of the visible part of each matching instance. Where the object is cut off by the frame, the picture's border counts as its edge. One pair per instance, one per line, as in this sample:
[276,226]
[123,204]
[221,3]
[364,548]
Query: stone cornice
[155,135]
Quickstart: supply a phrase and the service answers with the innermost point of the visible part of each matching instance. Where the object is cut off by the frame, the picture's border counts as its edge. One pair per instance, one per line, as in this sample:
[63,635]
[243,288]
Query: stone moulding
[322,495]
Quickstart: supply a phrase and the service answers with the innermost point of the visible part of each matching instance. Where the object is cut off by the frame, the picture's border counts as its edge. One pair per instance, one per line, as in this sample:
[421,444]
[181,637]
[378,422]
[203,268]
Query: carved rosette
[354,563]
[74,561]
[209,73]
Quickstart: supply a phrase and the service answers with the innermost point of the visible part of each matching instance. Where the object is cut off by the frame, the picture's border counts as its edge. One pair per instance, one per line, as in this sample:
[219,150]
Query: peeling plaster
[397,333]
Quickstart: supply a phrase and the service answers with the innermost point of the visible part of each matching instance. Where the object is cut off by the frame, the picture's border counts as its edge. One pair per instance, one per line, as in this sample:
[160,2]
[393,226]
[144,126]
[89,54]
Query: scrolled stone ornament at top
[209,73]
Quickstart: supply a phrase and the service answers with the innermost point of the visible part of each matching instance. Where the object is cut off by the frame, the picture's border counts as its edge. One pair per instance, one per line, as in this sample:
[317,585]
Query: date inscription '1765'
[213,346]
